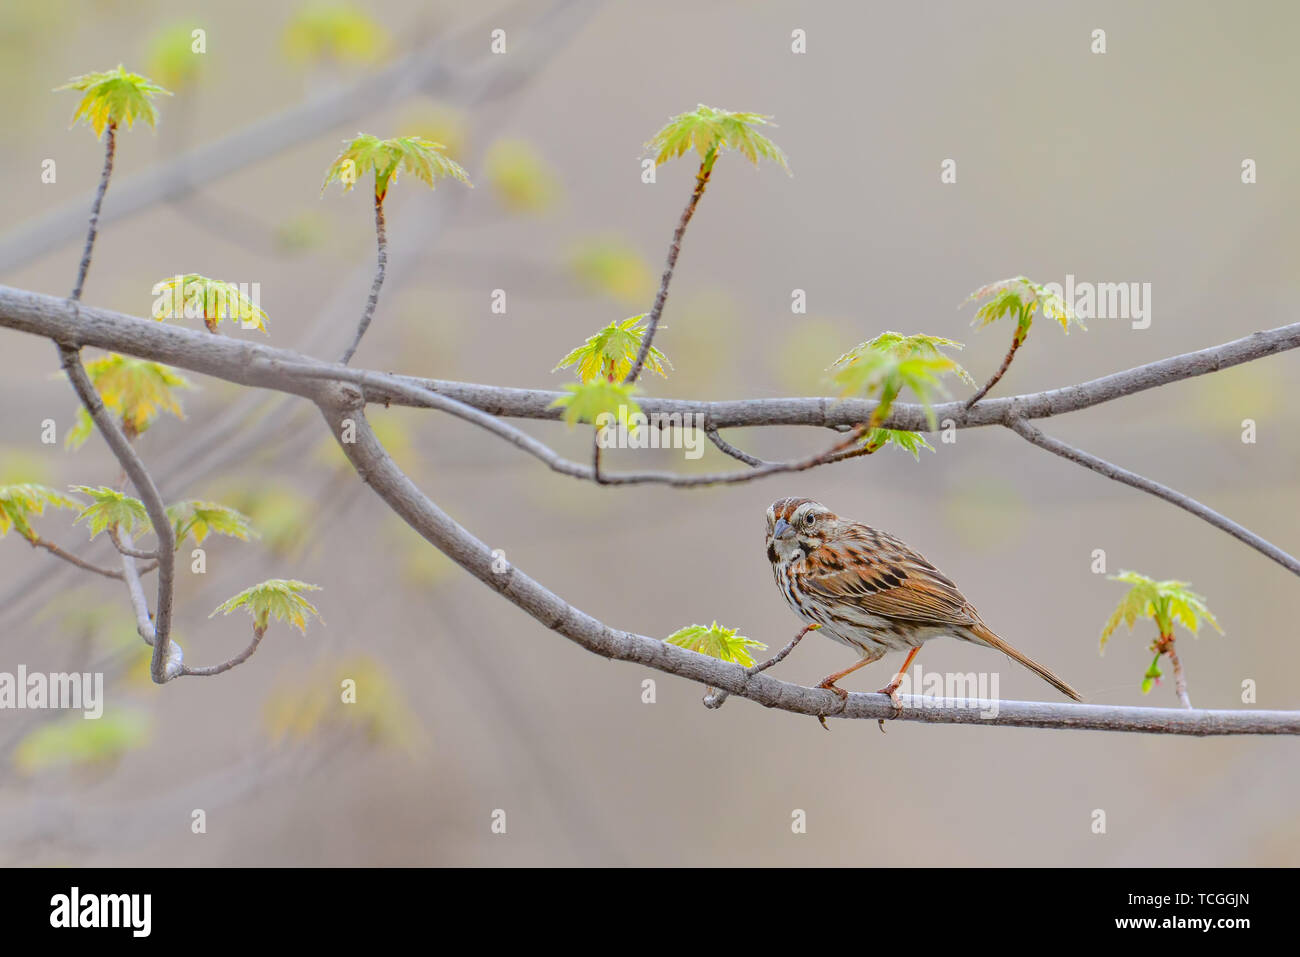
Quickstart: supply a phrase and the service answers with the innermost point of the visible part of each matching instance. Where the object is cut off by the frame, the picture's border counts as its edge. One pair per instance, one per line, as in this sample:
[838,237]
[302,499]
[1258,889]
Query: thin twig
[381,264]
[727,448]
[1166,645]
[110,142]
[53,549]
[1006,364]
[674,248]
[206,671]
[70,359]
[714,699]
[1102,467]
[126,549]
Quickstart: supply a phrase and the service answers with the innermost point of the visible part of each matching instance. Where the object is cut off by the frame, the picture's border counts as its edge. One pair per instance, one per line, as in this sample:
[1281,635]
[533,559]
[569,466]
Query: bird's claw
[892,691]
[844,696]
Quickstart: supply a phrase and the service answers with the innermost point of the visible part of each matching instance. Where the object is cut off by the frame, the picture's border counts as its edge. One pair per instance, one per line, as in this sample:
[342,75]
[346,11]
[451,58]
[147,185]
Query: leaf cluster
[716,641]
[422,158]
[1165,602]
[276,597]
[708,131]
[610,353]
[1020,297]
[136,390]
[114,97]
[19,502]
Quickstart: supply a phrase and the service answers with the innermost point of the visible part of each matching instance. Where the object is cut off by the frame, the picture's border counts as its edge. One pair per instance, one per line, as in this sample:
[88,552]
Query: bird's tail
[985,635]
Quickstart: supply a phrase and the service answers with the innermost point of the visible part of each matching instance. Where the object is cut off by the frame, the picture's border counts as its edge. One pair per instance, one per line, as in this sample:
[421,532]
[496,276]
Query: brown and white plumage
[869,590]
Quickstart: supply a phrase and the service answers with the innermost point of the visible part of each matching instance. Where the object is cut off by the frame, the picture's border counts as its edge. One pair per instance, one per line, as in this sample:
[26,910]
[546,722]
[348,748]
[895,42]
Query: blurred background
[1122,167]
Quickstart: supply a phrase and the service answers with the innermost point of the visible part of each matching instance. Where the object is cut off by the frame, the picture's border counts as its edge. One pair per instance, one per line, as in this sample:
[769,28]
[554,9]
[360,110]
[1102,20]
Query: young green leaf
[278,597]
[918,345]
[1164,602]
[137,390]
[1153,674]
[716,641]
[1020,297]
[891,362]
[192,296]
[422,158]
[114,97]
[110,508]
[609,353]
[19,502]
[709,131]
[599,403]
[204,518]
[911,442]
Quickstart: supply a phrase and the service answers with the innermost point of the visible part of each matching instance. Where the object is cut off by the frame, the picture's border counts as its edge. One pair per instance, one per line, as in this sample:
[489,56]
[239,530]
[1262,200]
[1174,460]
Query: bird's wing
[885,577]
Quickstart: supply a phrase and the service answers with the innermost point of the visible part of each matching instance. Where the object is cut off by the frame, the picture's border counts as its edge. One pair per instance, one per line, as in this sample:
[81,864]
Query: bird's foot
[891,689]
[830,685]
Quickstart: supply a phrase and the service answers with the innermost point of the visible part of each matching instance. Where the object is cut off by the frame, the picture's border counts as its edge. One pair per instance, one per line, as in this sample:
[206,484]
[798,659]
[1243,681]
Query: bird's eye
[810,520]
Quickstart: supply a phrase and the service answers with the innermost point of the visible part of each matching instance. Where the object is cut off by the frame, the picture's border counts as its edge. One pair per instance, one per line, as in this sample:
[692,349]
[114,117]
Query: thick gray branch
[227,359]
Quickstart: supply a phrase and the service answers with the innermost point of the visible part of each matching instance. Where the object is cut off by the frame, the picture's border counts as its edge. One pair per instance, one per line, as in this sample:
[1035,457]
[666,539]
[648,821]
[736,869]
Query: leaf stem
[674,249]
[110,146]
[381,265]
[53,549]
[1016,341]
[1166,646]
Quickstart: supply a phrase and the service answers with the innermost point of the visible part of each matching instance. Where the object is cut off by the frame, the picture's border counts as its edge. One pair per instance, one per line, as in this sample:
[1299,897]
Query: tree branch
[377,469]
[674,249]
[381,263]
[286,371]
[206,671]
[225,358]
[161,668]
[72,559]
[1102,467]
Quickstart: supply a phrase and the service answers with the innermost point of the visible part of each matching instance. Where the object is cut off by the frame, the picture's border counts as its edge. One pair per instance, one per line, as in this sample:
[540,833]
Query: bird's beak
[782,529]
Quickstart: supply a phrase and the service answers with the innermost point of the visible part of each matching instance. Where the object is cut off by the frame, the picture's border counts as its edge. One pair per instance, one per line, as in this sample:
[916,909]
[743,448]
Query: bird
[869,590]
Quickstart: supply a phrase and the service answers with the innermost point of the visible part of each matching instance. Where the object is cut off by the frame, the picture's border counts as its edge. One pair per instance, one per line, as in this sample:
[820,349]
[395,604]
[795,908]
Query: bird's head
[796,526]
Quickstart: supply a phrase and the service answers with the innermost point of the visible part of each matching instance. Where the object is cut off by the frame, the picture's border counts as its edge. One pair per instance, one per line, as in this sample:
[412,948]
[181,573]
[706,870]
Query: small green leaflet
[110,508]
[708,131]
[610,353]
[422,158]
[277,597]
[19,502]
[1165,602]
[202,518]
[1021,297]
[716,642]
[116,97]
[598,403]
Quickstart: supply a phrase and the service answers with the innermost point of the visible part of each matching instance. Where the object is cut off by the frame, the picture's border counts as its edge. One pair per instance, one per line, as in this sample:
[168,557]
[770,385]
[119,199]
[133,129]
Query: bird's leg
[891,689]
[829,682]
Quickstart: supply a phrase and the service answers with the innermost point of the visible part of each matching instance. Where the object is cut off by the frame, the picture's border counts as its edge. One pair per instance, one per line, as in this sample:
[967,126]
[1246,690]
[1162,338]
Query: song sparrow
[870,591]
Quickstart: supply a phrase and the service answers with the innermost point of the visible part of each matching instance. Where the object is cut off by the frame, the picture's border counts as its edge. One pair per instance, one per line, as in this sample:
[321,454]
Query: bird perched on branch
[870,591]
